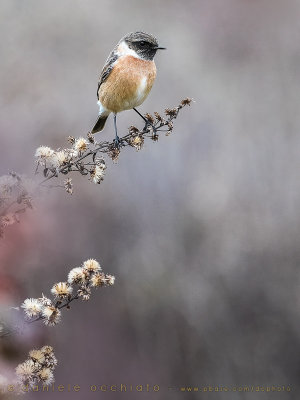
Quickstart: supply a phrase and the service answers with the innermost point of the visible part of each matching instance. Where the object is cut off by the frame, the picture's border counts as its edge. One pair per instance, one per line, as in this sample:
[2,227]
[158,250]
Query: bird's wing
[106,70]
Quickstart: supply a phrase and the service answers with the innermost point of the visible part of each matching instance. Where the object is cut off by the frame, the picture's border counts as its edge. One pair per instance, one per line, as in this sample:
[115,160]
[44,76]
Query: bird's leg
[146,121]
[117,139]
[141,115]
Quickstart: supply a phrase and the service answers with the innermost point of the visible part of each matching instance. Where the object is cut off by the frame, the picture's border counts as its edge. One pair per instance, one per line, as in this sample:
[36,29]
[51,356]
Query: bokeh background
[201,229]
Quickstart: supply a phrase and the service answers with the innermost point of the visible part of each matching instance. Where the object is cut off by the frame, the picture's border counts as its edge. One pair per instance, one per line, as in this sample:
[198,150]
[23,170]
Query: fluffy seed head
[137,142]
[47,350]
[61,290]
[51,315]
[44,152]
[26,370]
[97,174]
[76,275]
[110,279]
[59,158]
[98,280]
[46,376]
[91,265]
[32,307]
[81,144]
[37,356]
[45,301]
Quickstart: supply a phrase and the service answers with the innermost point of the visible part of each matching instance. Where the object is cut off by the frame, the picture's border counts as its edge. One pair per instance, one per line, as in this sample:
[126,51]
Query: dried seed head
[44,152]
[137,142]
[97,174]
[81,144]
[45,301]
[26,370]
[133,130]
[32,307]
[84,292]
[37,356]
[59,158]
[51,315]
[98,280]
[158,117]
[46,376]
[47,350]
[61,290]
[171,112]
[150,118]
[51,361]
[114,153]
[76,275]
[186,102]
[110,279]
[91,265]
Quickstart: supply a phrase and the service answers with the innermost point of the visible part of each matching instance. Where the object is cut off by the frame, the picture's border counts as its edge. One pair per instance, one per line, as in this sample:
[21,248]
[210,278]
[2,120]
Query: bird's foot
[117,143]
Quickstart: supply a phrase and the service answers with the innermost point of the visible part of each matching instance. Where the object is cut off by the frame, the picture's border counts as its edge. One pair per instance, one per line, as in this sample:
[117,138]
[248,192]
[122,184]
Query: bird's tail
[99,125]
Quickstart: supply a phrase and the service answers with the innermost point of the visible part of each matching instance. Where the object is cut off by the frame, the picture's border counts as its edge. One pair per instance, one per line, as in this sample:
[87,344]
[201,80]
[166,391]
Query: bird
[126,78]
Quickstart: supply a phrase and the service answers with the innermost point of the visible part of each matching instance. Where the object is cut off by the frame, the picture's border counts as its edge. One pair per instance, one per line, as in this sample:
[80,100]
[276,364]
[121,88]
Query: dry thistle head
[171,112]
[137,142]
[44,152]
[150,118]
[133,130]
[77,276]
[37,368]
[46,376]
[114,153]
[110,279]
[26,371]
[186,102]
[97,174]
[32,307]
[37,356]
[170,128]
[91,266]
[61,290]
[84,292]
[51,315]
[59,158]
[47,350]
[45,301]
[98,280]
[158,117]
[81,144]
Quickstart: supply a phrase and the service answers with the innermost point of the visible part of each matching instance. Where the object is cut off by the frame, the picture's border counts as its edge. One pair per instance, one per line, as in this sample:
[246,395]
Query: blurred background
[200,229]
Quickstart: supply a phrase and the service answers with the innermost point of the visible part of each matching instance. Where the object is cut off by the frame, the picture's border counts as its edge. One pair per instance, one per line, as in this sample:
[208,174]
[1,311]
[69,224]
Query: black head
[144,44]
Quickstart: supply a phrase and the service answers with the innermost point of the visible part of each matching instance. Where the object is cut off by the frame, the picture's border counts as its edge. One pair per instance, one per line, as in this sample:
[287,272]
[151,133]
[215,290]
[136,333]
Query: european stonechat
[127,77]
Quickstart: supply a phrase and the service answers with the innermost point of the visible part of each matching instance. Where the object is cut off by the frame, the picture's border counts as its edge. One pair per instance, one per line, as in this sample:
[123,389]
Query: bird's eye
[142,43]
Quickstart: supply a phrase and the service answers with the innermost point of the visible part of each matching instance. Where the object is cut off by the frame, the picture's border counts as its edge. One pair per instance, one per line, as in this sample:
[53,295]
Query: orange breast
[128,84]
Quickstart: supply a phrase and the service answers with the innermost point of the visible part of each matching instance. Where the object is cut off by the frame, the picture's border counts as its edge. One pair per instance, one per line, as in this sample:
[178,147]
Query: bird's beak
[160,48]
